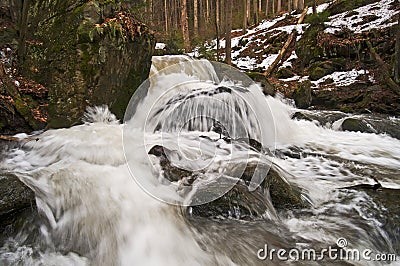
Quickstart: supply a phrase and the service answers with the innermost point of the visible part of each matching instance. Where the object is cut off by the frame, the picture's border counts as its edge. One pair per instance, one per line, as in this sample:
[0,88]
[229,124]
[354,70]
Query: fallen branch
[283,51]
[384,70]
[10,138]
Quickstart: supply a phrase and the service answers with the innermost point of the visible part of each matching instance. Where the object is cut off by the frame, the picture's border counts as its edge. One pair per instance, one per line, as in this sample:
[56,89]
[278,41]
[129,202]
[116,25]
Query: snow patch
[160,46]
[342,79]
[354,20]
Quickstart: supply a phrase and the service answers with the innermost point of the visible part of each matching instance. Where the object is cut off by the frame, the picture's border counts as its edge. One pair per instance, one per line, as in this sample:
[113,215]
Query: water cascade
[106,194]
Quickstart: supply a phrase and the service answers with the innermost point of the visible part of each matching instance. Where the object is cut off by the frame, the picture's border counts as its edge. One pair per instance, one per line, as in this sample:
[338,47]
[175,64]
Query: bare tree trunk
[185,26]
[217,25]
[255,12]
[151,12]
[295,4]
[207,11]
[279,6]
[266,8]
[289,6]
[397,55]
[22,29]
[248,14]
[301,4]
[273,7]
[195,18]
[244,23]
[228,36]
[166,16]
[314,7]
[259,6]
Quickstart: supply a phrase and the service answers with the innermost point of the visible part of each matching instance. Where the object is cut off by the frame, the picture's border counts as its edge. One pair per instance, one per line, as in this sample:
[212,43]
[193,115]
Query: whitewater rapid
[93,211]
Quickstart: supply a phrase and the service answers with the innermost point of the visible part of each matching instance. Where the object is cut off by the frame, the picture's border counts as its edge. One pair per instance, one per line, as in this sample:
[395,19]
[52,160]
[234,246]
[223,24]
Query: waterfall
[104,200]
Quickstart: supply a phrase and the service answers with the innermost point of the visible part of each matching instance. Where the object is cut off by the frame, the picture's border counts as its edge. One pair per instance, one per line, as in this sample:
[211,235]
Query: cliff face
[84,53]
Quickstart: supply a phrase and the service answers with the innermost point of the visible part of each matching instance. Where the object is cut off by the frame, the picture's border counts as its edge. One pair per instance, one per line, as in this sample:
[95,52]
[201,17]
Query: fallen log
[283,51]
[384,69]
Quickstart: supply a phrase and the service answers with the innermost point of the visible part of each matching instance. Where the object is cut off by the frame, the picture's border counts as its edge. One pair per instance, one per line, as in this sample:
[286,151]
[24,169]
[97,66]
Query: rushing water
[92,212]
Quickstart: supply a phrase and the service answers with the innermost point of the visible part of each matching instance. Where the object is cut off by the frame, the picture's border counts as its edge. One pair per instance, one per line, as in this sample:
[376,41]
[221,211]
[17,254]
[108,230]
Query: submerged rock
[356,125]
[274,193]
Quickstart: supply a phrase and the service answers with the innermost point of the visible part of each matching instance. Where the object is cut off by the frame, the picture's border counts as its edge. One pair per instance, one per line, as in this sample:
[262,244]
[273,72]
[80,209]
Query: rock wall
[85,53]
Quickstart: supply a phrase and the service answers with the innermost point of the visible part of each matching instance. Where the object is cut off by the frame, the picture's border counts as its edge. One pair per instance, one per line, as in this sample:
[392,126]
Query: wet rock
[267,87]
[14,195]
[238,203]
[301,116]
[284,195]
[275,192]
[356,125]
[171,172]
[303,95]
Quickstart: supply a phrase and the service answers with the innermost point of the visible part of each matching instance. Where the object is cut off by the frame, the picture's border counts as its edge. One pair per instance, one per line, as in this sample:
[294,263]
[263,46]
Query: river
[103,200]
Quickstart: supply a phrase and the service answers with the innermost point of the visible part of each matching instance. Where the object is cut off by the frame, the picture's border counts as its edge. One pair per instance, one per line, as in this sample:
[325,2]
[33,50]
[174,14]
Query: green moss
[22,107]
[317,73]
[106,2]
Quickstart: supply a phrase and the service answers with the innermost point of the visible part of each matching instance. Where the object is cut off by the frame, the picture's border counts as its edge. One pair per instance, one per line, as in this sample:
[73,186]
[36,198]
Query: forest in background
[207,19]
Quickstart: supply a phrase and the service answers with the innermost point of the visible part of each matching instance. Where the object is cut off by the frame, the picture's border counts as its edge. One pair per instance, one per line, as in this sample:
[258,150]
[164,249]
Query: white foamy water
[94,212]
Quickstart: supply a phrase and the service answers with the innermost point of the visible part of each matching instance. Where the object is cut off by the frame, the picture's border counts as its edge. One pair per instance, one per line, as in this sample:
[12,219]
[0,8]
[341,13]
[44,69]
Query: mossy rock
[86,53]
[303,95]
[301,116]
[267,87]
[14,195]
[285,73]
[356,125]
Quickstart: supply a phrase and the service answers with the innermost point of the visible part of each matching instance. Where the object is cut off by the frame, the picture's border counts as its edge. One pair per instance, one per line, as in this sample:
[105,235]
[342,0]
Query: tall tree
[185,26]
[195,18]
[289,6]
[165,16]
[248,12]
[279,6]
[228,29]
[314,7]
[397,55]
[255,12]
[207,11]
[22,30]
[217,25]
[301,4]
[295,4]
[244,22]
[273,7]
[266,8]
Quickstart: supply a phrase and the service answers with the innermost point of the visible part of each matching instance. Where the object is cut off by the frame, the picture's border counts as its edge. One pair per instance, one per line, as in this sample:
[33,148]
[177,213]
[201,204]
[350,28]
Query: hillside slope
[330,58]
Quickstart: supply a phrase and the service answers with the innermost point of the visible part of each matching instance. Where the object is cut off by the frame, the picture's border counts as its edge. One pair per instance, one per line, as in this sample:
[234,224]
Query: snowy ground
[374,16]
[380,14]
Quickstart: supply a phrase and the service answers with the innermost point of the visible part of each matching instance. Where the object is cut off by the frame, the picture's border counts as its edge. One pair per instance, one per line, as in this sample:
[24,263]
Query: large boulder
[356,125]
[85,53]
[14,195]
[303,95]
[274,193]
